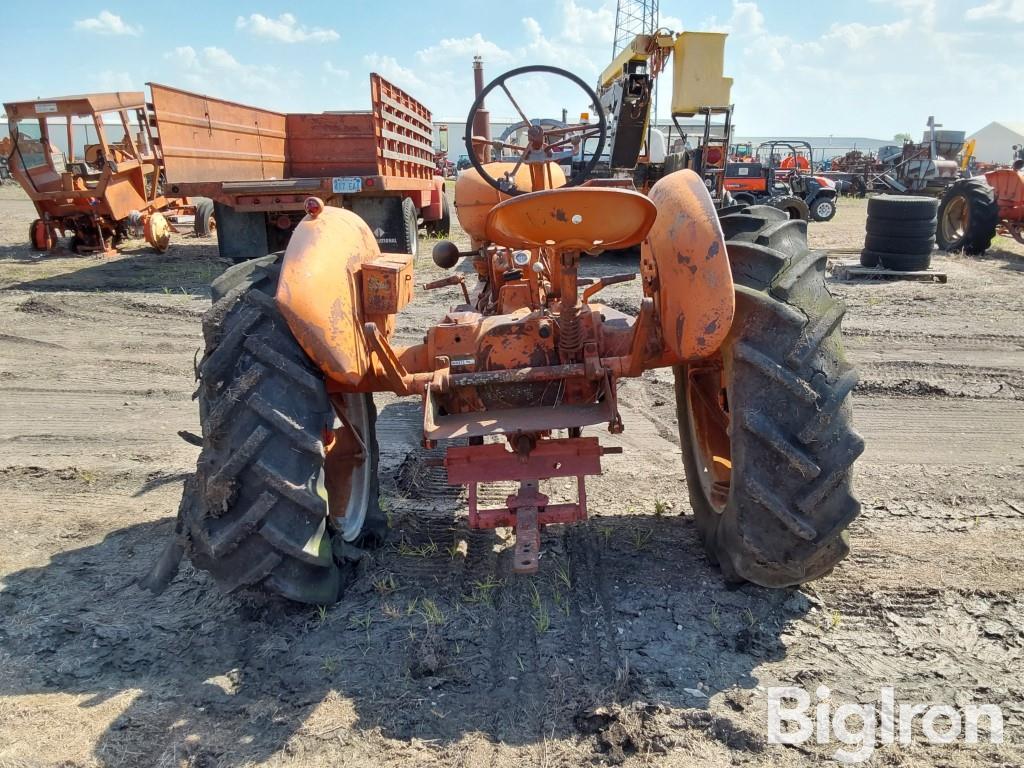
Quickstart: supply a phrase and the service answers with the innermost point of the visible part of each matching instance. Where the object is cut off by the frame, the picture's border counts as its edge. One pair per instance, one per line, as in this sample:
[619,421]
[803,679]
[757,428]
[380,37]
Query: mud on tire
[774,510]
[255,514]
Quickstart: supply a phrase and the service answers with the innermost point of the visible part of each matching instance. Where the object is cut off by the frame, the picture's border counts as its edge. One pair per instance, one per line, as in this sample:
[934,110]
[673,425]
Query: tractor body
[530,351]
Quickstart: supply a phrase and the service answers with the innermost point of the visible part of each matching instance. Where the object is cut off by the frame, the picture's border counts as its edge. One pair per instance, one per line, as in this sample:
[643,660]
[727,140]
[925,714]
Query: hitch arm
[458,280]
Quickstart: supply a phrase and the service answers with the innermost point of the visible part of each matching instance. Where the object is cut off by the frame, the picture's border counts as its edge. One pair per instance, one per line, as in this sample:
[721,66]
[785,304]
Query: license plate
[346,185]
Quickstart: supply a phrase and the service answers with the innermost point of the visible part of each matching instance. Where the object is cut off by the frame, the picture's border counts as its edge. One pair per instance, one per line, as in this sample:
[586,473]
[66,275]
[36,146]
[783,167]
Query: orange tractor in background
[973,211]
[100,188]
[513,376]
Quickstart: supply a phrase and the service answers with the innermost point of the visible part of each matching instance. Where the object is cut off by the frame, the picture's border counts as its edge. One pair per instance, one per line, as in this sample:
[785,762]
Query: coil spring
[570,335]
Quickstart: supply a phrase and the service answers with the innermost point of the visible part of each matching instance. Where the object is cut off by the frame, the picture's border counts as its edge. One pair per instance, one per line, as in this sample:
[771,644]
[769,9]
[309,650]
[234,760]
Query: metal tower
[632,18]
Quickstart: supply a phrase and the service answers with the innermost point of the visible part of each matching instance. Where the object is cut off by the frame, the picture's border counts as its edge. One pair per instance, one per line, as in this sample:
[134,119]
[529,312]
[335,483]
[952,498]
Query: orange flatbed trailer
[260,166]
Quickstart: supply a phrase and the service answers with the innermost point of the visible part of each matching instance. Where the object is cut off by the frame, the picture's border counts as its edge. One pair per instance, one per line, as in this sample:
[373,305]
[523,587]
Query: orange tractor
[973,211]
[106,183]
[510,378]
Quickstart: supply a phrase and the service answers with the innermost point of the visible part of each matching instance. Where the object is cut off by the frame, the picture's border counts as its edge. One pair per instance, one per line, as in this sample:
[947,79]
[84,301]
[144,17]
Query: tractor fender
[692,281]
[319,289]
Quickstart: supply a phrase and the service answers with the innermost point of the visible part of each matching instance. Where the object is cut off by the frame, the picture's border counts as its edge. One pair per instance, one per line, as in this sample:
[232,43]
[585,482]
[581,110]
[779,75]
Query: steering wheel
[542,142]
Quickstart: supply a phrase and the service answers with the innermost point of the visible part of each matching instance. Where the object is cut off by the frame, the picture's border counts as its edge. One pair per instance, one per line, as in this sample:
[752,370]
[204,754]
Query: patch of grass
[563,575]
[662,507]
[482,593]
[835,618]
[320,618]
[423,550]
[385,585]
[329,665]
[715,617]
[641,538]
[606,531]
[391,611]
[363,622]
[541,617]
[431,612]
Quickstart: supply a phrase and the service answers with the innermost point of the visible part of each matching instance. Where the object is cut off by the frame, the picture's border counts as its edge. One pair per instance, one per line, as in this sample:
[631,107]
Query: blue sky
[866,67]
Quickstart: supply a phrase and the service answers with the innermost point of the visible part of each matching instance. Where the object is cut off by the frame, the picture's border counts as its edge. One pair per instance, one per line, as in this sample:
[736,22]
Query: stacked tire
[900,232]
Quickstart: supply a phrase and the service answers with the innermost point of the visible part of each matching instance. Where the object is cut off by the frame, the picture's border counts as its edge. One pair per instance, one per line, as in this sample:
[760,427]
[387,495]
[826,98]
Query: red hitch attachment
[527,511]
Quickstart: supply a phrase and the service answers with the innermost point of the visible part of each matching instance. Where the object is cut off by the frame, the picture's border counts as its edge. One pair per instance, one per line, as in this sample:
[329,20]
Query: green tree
[899,138]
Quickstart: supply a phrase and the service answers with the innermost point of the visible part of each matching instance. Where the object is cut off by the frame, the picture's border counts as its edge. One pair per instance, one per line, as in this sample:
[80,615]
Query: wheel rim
[347,470]
[954,219]
[824,209]
[709,420]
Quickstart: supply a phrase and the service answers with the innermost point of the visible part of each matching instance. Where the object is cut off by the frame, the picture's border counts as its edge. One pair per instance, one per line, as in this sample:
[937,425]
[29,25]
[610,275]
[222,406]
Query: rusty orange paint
[387,284]
[474,197]
[319,292]
[580,218]
[686,268]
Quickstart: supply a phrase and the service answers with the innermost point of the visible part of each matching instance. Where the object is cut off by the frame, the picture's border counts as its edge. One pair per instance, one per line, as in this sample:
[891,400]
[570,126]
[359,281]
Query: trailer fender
[319,294]
[434,209]
[686,268]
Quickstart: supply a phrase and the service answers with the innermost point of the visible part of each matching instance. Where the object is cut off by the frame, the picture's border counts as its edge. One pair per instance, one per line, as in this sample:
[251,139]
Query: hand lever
[458,280]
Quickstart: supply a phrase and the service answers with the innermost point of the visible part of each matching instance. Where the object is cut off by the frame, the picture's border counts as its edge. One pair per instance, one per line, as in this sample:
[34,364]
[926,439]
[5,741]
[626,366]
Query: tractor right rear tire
[968,217]
[255,516]
[768,446]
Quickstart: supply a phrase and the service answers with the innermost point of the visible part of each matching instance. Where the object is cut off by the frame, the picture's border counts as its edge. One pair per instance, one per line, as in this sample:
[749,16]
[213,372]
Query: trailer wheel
[768,446]
[408,238]
[442,226]
[205,223]
[281,461]
[39,236]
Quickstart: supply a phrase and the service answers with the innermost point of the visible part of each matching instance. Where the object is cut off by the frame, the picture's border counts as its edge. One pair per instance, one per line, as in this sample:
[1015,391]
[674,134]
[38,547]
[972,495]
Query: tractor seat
[576,218]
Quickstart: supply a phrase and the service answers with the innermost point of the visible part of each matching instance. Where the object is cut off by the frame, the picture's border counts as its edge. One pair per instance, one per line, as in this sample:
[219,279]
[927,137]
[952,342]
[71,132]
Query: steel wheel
[346,473]
[954,219]
[707,404]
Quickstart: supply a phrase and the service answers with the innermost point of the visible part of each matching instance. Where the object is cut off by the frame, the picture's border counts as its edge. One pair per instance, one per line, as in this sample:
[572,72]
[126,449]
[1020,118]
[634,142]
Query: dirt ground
[626,648]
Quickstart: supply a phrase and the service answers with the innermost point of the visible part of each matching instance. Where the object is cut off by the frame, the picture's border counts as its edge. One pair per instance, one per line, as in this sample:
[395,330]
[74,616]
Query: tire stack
[900,232]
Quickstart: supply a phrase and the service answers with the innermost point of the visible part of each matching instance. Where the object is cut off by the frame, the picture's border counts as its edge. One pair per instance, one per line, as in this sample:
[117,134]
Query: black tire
[795,208]
[442,226]
[899,228]
[408,236]
[968,217]
[868,259]
[781,518]
[902,207]
[204,224]
[252,515]
[240,273]
[913,246]
[744,198]
[822,208]
[32,241]
[899,262]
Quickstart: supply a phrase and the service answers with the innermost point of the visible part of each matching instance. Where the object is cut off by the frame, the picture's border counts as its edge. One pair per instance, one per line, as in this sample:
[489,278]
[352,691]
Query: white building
[995,142]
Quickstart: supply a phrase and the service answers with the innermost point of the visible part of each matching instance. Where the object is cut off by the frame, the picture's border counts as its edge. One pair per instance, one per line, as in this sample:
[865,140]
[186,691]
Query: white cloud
[856,36]
[389,68]
[213,64]
[1001,10]
[333,71]
[581,24]
[107,23]
[108,80]
[285,29]
[463,48]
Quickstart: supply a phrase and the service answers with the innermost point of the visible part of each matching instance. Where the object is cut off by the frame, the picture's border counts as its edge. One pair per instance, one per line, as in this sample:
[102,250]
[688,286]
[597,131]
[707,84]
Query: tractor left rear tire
[255,515]
[968,217]
[768,445]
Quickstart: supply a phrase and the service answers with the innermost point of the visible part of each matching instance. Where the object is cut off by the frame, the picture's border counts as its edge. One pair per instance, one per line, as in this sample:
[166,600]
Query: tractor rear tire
[777,400]
[793,206]
[968,217]
[255,515]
